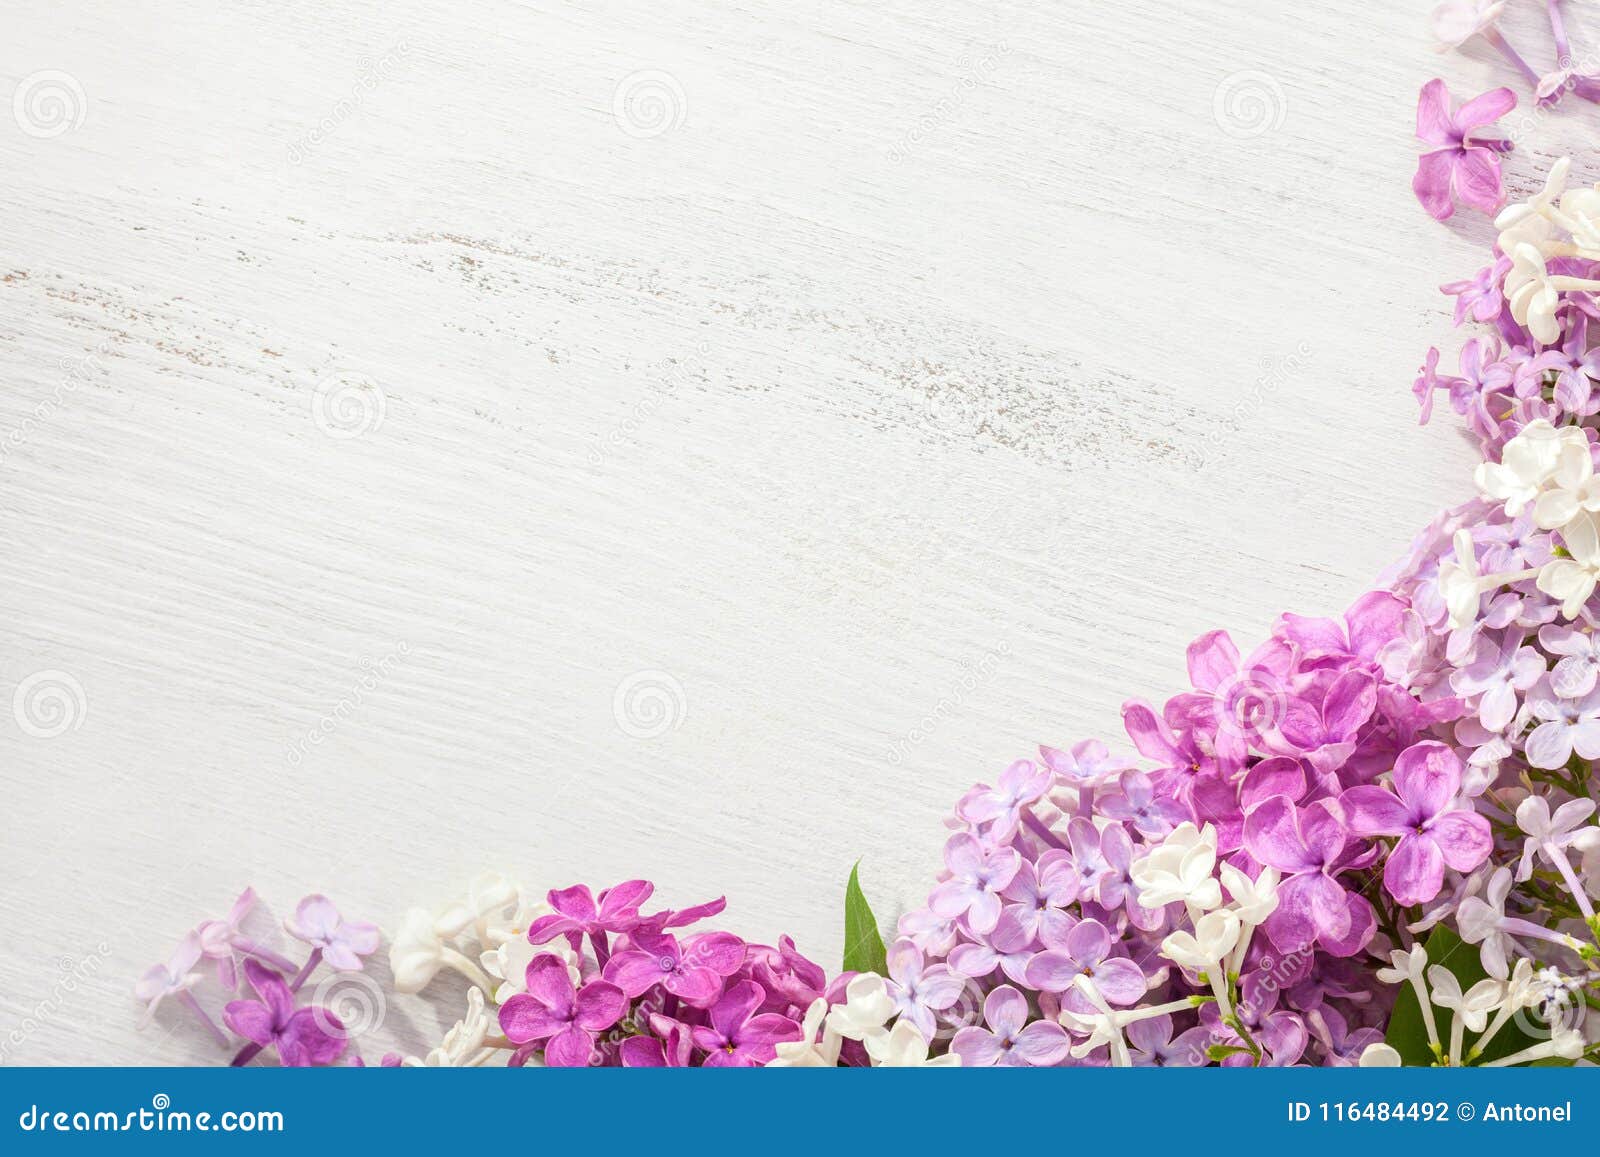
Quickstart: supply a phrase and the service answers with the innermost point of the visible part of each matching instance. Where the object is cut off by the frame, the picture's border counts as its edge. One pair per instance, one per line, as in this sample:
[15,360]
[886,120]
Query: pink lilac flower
[1479,296]
[300,1036]
[1007,1038]
[1463,165]
[558,1018]
[694,970]
[738,1036]
[577,913]
[1422,811]
[1311,847]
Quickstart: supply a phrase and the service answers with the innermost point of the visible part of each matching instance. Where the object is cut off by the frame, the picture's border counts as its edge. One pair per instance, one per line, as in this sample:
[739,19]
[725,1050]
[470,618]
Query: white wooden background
[699,438]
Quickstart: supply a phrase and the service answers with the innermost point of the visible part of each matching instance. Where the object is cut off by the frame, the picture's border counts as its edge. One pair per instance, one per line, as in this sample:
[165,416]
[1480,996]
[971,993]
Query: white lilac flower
[867,1006]
[1379,1056]
[1578,670]
[463,1045]
[1567,725]
[904,1047]
[1573,580]
[818,1048]
[508,964]
[1180,867]
[1528,463]
[1411,967]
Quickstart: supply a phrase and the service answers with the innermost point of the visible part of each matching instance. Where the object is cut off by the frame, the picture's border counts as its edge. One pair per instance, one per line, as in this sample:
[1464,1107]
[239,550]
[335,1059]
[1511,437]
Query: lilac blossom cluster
[649,993]
[262,993]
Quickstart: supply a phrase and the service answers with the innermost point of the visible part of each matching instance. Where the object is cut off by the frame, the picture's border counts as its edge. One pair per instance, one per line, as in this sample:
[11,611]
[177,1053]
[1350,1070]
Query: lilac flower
[1085,951]
[1463,166]
[341,942]
[1342,1045]
[1280,1032]
[1089,762]
[1009,1039]
[577,913]
[1324,732]
[1421,811]
[978,878]
[1151,1044]
[1568,725]
[300,1036]
[1496,674]
[1370,624]
[1430,381]
[1135,801]
[224,941]
[558,1017]
[1009,948]
[693,971]
[918,989]
[1040,892]
[1479,296]
[1019,785]
[672,1046]
[1578,670]
[1310,846]
[174,978]
[738,1036]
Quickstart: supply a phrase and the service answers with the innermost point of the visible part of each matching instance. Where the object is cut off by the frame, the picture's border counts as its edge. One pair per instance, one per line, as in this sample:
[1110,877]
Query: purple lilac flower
[300,1036]
[1085,951]
[919,990]
[1152,1045]
[693,971]
[1463,166]
[1479,296]
[341,943]
[1578,670]
[558,1018]
[977,879]
[1421,811]
[1040,892]
[1019,785]
[1310,846]
[738,1036]
[1008,1038]
[1135,801]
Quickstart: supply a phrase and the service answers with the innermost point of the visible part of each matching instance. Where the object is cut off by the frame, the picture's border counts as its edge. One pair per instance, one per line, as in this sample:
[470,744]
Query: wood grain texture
[912,397]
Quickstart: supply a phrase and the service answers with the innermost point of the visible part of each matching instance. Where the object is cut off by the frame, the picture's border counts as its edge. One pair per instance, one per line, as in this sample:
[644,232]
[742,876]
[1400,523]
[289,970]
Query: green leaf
[863,944]
[1408,1033]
